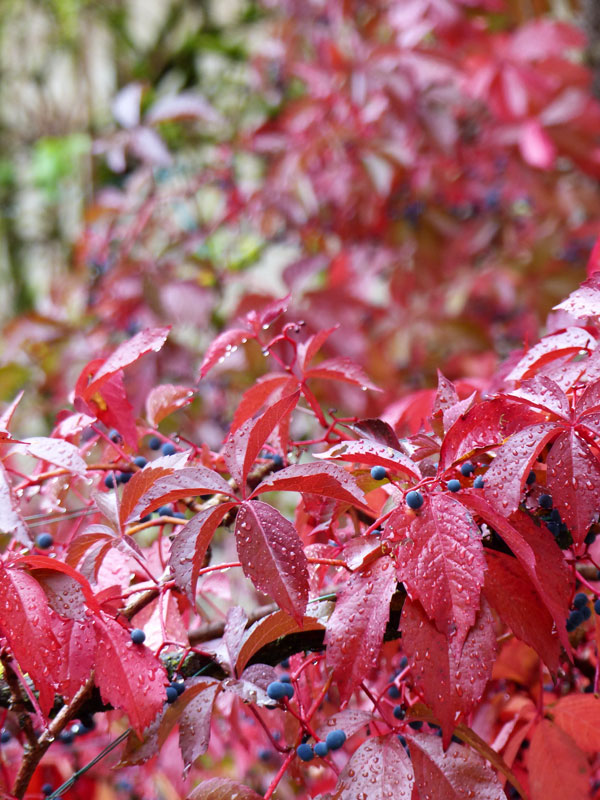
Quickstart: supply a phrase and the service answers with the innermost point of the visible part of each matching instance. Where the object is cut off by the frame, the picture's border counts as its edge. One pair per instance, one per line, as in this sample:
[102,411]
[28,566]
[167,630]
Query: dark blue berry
[403,663]
[597,606]
[114,435]
[478,483]
[575,618]
[138,636]
[416,724]
[66,737]
[276,459]
[168,449]
[140,461]
[453,485]
[305,752]
[321,749]
[44,541]
[87,723]
[179,515]
[590,537]
[109,482]
[402,740]
[285,663]
[399,712]
[179,686]
[124,477]
[414,500]
[5,736]
[154,443]
[545,501]
[587,612]
[289,690]
[285,678]
[394,692]
[378,473]
[467,469]
[147,518]
[264,754]
[530,478]
[47,789]
[335,739]
[165,511]
[277,690]
[171,693]
[580,600]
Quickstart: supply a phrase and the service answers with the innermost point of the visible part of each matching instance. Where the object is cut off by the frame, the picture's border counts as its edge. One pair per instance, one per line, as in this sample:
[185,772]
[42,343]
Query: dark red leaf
[378,431]
[355,629]
[544,393]
[308,350]
[78,648]
[512,594]
[452,682]
[268,388]
[190,544]
[327,480]
[243,445]
[441,563]
[194,723]
[351,720]
[139,483]
[272,556]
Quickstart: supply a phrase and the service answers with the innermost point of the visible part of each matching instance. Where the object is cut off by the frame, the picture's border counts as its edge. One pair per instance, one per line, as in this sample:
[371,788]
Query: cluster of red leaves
[485,584]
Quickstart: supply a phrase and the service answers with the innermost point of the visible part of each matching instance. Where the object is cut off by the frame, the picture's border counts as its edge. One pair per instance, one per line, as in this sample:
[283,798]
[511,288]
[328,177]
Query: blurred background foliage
[179,161]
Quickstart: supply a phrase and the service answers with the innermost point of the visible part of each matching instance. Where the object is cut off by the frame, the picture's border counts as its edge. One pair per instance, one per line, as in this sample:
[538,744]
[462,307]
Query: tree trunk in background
[591,23]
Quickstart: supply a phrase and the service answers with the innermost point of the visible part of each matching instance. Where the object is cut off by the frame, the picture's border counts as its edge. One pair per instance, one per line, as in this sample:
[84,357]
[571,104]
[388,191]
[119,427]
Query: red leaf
[579,716]
[151,339]
[573,478]
[536,146]
[78,643]
[511,593]
[128,675]
[234,632]
[243,446]
[269,387]
[355,629]
[327,480]
[139,483]
[45,562]
[550,348]
[222,789]
[190,545]
[110,405]
[307,350]
[186,482]
[378,431]
[27,623]
[58,452]
[544,393]
[508,472]
[379,768]
[272,557]
[584,301]
[366,451]
[163,400]
[456,774]
[552,757]
[269,629]
[341,369]
[539,555]
[441,563]
[452,683]
[222,347]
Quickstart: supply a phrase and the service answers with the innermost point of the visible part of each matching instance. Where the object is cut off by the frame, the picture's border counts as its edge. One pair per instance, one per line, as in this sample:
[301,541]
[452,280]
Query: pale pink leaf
[379,768]
[225,344]
[164,399]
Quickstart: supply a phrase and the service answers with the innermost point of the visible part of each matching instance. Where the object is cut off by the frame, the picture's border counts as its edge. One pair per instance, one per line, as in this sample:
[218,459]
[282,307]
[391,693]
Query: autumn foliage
[363,502]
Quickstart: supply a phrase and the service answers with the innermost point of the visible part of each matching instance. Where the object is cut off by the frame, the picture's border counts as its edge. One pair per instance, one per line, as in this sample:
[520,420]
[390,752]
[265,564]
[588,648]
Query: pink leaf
[187,482]
[536,146]
[222,789]
[545,394]
[342,369]
[308,350]
[269,387]
[355,629]
[585,301]
[58,452]
[455,774]
[327,480]
[78,642]
[194,723]
[243,446]
[163,400]
[151,339]
[11,519]
[233,635]
[366,451]
[552,756]
[452,682]
[272,557]
[551,347]
[379,768]
[128,675]
[189,547]
[186,105]
[351,720]
[441,563]
[225,344]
